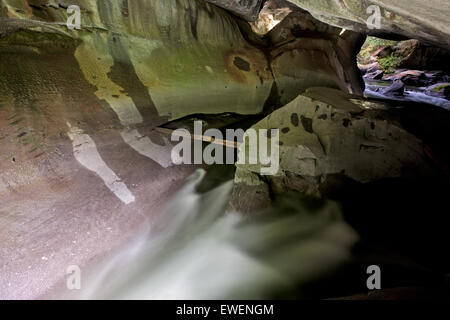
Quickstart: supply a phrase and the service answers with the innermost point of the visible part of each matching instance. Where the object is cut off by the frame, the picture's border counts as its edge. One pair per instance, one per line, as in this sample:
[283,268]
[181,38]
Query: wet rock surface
[375,75]
[396,89]
[441,90]
[386,64]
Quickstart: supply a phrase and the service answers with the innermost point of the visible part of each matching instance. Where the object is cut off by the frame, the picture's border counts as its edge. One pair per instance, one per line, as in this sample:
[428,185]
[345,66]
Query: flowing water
[198,249]
[414,94]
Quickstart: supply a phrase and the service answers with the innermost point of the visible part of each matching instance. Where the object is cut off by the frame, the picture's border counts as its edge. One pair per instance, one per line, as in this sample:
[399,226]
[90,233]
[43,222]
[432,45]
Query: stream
[414,94]
[198,249]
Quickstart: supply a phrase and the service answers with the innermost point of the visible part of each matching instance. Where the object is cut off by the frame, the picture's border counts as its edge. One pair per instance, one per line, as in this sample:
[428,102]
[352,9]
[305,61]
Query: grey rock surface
[247,9]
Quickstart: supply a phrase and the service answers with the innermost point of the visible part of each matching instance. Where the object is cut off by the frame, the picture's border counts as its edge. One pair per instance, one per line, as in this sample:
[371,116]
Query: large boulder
[328,138]
[375,75]
[397,89]
[416,55]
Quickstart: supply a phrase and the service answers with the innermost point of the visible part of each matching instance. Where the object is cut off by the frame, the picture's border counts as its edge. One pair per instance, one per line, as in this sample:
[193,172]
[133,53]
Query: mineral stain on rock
[241,64]
[307,124]
[294,120]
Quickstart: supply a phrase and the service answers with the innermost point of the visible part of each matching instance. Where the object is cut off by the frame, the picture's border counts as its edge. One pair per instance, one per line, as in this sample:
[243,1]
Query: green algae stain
[441,87]
[31,38]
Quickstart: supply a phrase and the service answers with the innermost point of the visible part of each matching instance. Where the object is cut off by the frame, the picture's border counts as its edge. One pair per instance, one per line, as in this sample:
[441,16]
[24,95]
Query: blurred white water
[410,94]
[198,250]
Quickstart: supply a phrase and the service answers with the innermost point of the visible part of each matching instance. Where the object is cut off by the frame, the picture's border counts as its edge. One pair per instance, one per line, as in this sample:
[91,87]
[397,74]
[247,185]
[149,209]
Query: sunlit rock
[247,9]
[272,13]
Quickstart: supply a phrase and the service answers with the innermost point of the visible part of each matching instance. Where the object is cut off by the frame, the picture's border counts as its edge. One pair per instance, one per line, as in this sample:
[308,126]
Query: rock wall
[426,21]
[134,65]
[180,54]
[306,51]
[184,56]
[418,56]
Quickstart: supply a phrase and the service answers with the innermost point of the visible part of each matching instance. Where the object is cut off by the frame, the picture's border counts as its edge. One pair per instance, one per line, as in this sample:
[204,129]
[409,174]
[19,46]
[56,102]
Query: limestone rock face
[327,136]
[134,65]
[414,19]
[178,57]
[166,59]
[319,53]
